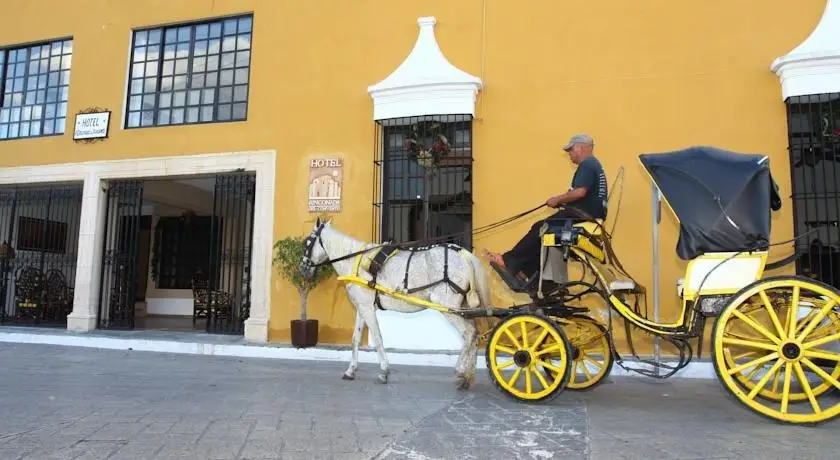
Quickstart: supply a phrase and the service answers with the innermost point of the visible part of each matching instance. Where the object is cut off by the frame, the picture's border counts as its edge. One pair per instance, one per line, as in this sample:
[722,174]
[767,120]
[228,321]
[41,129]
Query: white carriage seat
[556,270]
[622,285]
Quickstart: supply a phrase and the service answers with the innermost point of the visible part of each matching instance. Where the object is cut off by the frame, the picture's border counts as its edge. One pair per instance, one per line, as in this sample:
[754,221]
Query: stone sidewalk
[81,403]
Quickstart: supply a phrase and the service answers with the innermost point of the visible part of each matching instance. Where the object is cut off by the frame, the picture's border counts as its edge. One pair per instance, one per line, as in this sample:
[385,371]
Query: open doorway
[177,254]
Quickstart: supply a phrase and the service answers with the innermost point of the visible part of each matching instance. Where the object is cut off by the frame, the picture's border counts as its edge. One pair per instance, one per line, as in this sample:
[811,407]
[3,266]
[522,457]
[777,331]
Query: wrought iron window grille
[423,179]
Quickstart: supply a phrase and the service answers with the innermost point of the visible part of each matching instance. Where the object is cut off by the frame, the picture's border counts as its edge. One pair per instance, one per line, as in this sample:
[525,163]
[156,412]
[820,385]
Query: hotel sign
[326,177]
[93,125]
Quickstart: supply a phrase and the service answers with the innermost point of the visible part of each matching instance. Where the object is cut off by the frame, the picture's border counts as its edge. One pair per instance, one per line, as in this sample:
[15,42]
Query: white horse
[326,245]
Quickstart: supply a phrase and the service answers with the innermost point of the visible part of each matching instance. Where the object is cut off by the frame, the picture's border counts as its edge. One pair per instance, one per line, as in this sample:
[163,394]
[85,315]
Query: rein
[415,243]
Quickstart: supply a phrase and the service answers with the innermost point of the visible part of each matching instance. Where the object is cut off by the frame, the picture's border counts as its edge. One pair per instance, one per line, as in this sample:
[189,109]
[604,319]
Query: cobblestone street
[77,403]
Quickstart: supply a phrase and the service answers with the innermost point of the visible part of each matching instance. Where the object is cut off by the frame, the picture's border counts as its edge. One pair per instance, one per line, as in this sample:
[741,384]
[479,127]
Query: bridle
[309,244]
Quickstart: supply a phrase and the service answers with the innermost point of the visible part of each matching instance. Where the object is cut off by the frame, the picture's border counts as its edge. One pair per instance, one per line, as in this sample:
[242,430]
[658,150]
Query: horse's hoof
[346,376]
[382,378]
[462,383]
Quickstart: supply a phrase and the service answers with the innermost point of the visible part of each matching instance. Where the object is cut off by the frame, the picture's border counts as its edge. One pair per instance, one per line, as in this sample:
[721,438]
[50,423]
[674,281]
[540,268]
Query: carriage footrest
[515,284]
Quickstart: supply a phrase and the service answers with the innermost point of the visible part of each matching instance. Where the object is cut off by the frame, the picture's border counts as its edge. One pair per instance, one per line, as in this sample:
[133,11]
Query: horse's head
[314,253]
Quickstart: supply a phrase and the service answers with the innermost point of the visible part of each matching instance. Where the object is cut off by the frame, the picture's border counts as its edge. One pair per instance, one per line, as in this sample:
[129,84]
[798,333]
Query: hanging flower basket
[430,156]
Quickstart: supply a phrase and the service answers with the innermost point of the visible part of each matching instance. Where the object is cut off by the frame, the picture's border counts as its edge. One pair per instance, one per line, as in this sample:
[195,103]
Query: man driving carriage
[588,193]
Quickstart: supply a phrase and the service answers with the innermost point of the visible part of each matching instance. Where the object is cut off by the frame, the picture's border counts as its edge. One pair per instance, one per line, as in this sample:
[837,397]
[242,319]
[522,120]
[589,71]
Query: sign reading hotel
[92,125]
[325,181]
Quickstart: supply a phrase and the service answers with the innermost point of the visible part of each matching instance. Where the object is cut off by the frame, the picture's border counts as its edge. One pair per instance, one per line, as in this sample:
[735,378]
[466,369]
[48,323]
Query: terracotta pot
[304,333]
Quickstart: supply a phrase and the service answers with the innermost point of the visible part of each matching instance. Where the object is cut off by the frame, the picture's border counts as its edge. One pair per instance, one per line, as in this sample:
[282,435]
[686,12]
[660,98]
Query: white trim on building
[813,67]
[92,227]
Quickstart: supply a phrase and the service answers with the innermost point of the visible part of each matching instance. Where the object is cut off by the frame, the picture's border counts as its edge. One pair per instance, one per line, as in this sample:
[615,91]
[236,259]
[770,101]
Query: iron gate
[814,143]
[120,254]
[231,240]
[39,234]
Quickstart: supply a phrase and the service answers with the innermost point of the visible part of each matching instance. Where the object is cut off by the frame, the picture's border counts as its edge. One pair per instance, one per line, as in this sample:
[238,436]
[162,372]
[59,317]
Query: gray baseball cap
[578,139]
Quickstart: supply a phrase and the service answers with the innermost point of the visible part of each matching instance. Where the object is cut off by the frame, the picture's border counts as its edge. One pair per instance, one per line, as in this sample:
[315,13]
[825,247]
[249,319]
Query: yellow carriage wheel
[771,325]
[515,352]
[590,351]
[748,377]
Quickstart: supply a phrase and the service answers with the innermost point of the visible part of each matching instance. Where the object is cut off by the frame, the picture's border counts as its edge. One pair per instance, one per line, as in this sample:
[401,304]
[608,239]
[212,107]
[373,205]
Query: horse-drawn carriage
[772,337]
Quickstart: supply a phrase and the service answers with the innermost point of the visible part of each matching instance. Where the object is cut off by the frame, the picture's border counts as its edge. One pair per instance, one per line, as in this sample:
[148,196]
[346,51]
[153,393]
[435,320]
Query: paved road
[76,403]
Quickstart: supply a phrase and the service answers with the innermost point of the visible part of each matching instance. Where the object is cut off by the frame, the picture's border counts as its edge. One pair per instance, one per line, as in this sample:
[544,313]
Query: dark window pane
[240,93]
[175,72]
[239,111]
[224,112]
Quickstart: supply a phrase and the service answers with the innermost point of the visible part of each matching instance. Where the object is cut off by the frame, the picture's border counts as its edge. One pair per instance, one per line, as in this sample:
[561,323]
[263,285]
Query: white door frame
[92,226]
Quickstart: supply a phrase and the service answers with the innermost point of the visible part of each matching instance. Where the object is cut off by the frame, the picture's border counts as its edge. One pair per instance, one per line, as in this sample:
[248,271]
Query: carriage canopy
[721,198]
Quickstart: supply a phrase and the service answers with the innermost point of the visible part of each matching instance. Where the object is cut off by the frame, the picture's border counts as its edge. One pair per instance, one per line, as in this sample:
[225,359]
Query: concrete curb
[188,344]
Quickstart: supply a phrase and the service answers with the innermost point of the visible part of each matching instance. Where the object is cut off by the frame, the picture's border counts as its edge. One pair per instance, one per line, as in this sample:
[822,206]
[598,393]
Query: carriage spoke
[505,349]
[524,331]
[786,389]
[814,322]
[550,366]
[794,306]
[512,338]
[755,362]
[750,344]
[539,340]
[743,355]
[821,341]
[585,370]
[515,377]
[506,364]
[776,382]
[551,349]
[592,360]
[528,385]
[758,327]
[821,373]
[772,313]
[807,387]
[821,354]
[763,381]
[541,379]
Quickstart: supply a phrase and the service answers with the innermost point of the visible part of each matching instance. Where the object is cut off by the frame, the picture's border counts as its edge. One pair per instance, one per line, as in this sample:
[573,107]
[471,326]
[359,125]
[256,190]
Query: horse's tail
[478,293]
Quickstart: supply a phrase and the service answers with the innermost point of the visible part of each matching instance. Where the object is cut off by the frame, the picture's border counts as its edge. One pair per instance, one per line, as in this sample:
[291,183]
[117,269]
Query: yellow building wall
[638,76]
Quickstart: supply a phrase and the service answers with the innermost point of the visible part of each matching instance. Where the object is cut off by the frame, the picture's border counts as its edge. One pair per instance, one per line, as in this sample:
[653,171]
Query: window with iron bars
[423,179]
[34,85]
[190,73]
[814,144]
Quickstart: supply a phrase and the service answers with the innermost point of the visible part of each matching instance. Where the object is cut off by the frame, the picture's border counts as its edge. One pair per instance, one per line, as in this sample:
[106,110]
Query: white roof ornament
[426,83]
[813,67]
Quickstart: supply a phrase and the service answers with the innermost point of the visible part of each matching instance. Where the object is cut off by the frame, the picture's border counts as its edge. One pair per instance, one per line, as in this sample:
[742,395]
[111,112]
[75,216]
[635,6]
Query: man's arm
[568,197]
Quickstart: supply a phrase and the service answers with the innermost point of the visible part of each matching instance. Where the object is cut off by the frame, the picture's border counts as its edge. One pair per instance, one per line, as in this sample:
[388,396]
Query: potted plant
[288,253]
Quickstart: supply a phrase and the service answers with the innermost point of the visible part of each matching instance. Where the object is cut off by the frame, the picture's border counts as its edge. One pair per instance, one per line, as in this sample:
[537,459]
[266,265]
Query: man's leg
[525,255]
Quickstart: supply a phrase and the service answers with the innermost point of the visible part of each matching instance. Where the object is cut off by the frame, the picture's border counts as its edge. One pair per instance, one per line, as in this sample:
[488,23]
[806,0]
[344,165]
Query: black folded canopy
[721,198]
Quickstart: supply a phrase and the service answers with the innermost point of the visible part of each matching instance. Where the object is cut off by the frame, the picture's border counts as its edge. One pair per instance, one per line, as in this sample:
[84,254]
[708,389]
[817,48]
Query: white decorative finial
[813,67]
[427,21]
[426,83]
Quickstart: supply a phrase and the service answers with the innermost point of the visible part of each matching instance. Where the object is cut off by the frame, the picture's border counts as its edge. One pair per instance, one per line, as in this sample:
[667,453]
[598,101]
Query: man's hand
[554,202]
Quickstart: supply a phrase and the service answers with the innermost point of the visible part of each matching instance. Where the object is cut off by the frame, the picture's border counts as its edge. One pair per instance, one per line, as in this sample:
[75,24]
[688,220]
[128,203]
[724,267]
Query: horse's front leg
[364,302]
[350,373]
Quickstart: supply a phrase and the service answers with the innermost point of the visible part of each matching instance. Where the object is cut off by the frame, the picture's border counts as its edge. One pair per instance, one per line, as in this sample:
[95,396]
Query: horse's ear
[318,221]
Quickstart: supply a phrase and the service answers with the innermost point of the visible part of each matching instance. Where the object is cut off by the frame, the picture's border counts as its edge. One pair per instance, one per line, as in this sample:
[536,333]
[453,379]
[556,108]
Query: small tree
[288,254]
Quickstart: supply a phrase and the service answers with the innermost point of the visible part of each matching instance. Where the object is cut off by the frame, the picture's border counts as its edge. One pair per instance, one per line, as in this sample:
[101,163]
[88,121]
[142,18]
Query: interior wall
[178,198]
